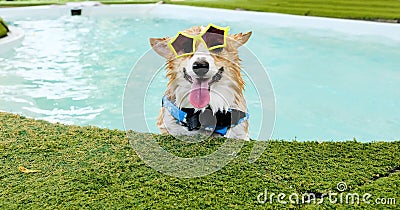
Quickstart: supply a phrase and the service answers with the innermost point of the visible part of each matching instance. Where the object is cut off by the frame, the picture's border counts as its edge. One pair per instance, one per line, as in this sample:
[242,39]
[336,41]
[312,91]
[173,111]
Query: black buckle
[193,122]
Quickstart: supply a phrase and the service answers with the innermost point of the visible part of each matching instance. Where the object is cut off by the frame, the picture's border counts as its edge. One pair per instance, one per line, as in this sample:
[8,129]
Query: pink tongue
[199,95]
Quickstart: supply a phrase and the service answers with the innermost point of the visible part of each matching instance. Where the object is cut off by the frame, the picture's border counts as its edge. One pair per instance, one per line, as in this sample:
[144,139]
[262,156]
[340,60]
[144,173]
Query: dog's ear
[241,39]
[160,46]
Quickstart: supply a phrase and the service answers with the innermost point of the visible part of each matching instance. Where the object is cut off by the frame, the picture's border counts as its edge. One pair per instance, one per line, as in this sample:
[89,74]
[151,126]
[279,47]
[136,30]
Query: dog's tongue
[199,94]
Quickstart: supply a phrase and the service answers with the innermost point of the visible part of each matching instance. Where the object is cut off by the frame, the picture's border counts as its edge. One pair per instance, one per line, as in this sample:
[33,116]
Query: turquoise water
[328,85]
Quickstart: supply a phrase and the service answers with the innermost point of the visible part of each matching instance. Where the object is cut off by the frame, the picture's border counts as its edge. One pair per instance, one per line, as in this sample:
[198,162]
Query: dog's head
[203,66]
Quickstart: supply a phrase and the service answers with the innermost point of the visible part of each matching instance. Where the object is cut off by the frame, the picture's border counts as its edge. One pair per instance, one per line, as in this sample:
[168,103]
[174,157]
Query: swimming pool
[333,79]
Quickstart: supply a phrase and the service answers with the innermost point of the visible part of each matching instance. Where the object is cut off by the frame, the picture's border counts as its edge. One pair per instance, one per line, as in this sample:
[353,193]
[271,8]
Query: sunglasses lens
[213,37]
[183,44]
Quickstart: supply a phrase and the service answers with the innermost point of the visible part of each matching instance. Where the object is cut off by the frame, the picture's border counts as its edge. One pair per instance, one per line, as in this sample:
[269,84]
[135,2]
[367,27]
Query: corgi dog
[204,93]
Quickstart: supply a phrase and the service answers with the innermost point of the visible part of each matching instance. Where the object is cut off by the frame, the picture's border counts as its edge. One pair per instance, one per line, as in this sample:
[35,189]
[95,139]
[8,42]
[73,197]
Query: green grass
[350,9]
[89,167]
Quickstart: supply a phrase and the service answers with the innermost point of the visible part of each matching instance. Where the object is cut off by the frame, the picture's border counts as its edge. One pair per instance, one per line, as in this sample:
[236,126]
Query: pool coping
[354,27]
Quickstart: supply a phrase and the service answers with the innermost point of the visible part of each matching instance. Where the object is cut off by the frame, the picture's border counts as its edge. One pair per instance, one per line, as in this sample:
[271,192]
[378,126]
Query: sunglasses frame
[198,38]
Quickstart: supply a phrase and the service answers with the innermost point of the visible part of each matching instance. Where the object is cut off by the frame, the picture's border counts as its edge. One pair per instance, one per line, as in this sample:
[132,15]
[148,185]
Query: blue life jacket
[189,118]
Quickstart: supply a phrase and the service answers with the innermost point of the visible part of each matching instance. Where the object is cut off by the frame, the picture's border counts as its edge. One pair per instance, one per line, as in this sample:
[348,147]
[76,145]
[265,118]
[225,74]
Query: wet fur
[224,94]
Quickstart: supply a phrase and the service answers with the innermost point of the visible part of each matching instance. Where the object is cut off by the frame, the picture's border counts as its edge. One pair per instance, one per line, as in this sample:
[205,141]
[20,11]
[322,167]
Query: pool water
[328,85]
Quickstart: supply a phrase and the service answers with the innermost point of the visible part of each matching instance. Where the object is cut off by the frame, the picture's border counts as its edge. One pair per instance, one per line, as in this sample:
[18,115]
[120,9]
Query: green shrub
[3,28]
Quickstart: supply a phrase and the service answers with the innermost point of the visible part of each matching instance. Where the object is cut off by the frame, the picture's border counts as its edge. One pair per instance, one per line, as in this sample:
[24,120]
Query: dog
[204,93]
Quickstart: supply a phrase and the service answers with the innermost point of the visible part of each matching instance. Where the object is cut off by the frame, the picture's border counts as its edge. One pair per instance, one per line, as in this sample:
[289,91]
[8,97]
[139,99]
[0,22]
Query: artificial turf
[350,9]
[94,168]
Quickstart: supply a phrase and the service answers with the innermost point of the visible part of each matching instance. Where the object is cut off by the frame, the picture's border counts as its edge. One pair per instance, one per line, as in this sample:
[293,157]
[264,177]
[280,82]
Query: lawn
[350,9]
[89,167]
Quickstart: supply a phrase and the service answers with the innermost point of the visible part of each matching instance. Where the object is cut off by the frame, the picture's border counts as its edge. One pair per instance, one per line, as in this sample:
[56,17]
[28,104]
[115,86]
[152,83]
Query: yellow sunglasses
[212,36]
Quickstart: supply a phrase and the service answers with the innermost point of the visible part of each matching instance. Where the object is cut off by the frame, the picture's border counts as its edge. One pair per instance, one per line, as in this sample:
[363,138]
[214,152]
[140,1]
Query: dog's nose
[201,67]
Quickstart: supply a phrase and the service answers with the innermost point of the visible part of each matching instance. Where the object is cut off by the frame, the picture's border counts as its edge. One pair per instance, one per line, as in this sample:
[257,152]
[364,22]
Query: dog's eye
[183,44]
[187,46]
[217,50]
